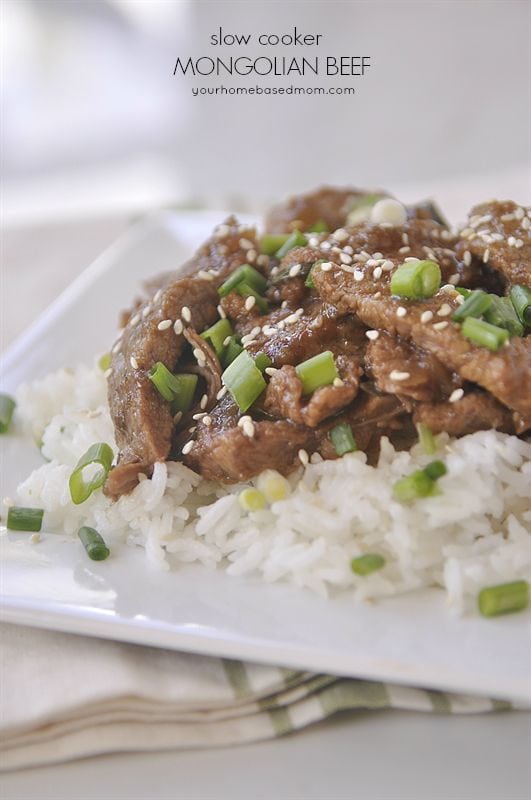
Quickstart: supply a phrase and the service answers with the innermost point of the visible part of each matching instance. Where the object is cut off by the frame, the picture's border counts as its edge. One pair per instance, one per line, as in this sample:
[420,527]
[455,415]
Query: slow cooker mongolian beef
[350,317]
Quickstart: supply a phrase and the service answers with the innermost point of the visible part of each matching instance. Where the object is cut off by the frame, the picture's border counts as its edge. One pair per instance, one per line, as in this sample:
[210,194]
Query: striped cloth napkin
[65,697]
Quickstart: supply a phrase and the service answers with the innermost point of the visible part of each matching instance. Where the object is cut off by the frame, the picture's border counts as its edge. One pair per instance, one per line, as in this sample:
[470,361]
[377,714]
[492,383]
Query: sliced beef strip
[476,411]
[327,204]
[398,367]
[223,452]
[142,418]
[499,233]
[506,373]
[284,395]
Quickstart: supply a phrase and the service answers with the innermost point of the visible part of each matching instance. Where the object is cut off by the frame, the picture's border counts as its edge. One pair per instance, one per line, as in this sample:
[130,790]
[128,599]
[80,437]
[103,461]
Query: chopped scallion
[426,439]
[177,389]
[364,565]
[475,305]
[295,239]
[483,333]
[7,406]
[245,290]
[462,291]
[416,279]
[251,500]
[421,483]
[271,242]
[309,278]
[104,362]
[319,227]
[343,440]
[97,461]
[435,470]
[503,314]
[217,334]
[521,300]
[232,350]
[244,274]
[320,370]
[244,380]
[93,543]
[503,598]
[25,519]
[262,361]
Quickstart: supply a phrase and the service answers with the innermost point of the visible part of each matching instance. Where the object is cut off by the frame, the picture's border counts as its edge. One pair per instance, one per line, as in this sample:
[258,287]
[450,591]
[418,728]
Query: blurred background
[95,127]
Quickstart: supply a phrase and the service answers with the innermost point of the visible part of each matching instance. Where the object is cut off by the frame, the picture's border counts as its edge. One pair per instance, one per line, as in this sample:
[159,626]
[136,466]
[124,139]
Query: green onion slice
[104,362]
[232,350]
[426,439]
[416,279]
[462,291]
[97,460]
[93,543]
[503,598]
[435,470]
[483,333]
[364,565]
[25,519]
[521,300]
[343,440]
[414,486]
[177,389]
[503,314]
[183,397]
[319,227]
[320,370]
[7,406]
[309,278]
[217,334]
[475,305]
[271,242]
[244,380]
[244,274]
[295,239]
[262,361]
[245,290]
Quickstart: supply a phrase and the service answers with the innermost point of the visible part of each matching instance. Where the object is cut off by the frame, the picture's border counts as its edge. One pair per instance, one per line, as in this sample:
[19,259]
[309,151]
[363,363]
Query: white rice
[477,532]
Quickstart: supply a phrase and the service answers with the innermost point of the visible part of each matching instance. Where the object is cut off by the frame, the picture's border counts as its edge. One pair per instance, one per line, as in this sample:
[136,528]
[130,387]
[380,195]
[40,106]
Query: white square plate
[410,639]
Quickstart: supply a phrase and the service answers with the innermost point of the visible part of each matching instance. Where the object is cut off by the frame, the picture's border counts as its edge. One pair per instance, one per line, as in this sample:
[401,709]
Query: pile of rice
[476,533]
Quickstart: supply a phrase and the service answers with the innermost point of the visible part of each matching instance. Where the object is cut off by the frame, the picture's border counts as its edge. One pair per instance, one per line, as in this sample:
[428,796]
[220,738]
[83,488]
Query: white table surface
[373,756]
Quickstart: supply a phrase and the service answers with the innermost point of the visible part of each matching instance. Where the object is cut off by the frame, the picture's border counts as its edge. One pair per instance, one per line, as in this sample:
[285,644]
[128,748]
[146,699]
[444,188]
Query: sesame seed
[164,325]
[146,311]
[117,347]
[204,275]
[178,327]
[313,241]
[467,258]
[107,373]
[251,256]
[456,395]
[244,419]
[222,392]
[221,312]
[337,382]
[459,299]
[358,275]
[426,316]
[372,262]
[157,295]
[294,270]
[134,320]
[203,402]
[35,538]
[406,249]
[345,258]
[226,340]
[326,266]
[199,356]
[340,235]
[405,238]
[250,302]
[284,304]
[177,417]
[263,260]
[401,311]
[519,213]
[387,266]
[486,255]
[412,259]
[526,223]
[453,280]
[192,429]
[245,244]
[377,295]
[348,249]
[377,272]
[519,243]
[325,246]
[361,257]
[187,447]
[207,420]
[221,231]
[270,370]
[372,335]
[186,314]
[303,457]
[396,375]
[133,362]
[199,415]
[444,310]
[440,326]
[468,232]
[248,428]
